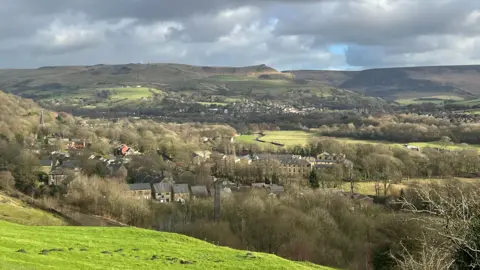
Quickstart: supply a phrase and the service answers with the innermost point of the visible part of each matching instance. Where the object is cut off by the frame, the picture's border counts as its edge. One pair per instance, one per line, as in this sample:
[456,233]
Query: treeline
[183,113]
[303,225]
[405,128]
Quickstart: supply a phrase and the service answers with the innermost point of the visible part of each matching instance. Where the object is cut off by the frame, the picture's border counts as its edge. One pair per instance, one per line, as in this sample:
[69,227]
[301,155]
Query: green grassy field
[431,99]
[297,137]
[419,144]
[133,93]
[14,210]
[288,137]
[69,247]
[368,188]
[213,103]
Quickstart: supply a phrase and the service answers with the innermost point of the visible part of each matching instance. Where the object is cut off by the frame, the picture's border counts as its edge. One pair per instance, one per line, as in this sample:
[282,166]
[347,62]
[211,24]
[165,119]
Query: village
[278,171]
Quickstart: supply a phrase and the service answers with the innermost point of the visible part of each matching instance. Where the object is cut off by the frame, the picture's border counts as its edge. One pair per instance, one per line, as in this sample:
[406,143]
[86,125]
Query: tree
[451,211]
[6,180]
[445,141]
[275,178]
[313,180]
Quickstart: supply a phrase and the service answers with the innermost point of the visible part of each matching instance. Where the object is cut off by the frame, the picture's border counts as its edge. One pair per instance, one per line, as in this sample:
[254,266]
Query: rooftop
[140,186]
[162,187]
[200,191]
[180,188]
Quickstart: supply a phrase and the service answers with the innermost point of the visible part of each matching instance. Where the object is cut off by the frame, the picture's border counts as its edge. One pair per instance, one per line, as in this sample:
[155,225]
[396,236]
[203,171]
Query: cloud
[286,34]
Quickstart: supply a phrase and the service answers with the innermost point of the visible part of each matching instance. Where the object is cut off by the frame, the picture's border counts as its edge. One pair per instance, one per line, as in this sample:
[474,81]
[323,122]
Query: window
[167,193]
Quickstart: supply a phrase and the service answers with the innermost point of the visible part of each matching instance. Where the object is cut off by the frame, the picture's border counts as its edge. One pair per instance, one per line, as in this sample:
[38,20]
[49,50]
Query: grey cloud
[287,33]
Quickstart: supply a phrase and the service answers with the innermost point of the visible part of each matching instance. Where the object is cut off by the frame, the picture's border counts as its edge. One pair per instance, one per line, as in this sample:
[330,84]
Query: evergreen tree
[274,179]
[312,179]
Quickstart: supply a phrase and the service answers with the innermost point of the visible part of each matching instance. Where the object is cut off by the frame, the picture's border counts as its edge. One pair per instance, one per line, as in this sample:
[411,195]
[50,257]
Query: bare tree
[451,211]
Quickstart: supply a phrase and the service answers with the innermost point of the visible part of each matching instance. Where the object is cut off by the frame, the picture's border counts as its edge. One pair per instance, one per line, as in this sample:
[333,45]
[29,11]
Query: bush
[108,198]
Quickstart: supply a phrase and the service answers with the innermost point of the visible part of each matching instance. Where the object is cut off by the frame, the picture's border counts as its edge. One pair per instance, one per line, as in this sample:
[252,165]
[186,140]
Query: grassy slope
[123,248]
[15,210]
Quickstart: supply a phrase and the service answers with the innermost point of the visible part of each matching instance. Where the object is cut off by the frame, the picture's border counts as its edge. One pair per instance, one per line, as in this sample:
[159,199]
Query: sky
[284,34]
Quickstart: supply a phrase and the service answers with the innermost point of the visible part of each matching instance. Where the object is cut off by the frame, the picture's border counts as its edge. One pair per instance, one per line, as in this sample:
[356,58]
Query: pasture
[69,247]
[133,93]
[291,138]
[368,188]
[429,99]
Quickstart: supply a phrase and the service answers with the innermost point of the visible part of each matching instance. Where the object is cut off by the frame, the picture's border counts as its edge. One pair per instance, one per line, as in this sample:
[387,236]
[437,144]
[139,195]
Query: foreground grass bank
[69,247]
[17,211]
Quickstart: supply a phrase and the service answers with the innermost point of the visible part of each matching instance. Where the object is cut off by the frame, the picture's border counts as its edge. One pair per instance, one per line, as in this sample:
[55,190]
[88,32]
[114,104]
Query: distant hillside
[69,247]
[458,82]
[114,86]
[417,81]
[77,77]
[327,77]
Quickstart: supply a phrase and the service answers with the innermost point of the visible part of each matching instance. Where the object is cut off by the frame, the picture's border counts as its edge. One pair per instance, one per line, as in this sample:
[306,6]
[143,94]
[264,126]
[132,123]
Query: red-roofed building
[123,150]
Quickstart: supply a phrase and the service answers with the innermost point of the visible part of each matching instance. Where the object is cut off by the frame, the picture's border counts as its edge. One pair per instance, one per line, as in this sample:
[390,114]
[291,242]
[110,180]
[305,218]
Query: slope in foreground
[32,247]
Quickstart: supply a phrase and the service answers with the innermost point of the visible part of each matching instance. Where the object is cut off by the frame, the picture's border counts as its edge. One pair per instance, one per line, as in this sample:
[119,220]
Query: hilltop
[78,77]
[71,247]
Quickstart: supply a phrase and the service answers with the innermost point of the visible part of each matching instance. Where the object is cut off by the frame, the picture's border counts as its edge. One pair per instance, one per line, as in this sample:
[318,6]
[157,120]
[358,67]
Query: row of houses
[168,191]
[55,171]
[296,165]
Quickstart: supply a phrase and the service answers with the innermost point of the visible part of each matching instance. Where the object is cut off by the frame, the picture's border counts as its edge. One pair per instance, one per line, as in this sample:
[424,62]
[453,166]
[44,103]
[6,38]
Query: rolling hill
[403,83]
[78,82]
[116,85]
[78,77]
[17,211]
[70,247]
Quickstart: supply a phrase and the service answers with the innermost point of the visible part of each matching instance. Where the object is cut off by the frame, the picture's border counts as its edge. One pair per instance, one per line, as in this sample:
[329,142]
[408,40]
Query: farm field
[288,137]
[419,144]
[368,188]
[17,211]
[133,93]
[213,103]
[28,247]
[415,99]
[296,137]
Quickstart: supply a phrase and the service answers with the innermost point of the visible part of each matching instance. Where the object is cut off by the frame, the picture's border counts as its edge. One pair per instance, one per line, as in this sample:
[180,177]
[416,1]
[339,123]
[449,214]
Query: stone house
[181,193]
[141,190]
[162,192]
[57,177]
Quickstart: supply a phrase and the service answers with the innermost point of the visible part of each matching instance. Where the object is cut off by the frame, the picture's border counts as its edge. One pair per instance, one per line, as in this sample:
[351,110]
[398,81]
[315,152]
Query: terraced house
[181,192]
[292,165]
[141,190]
[163,192]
